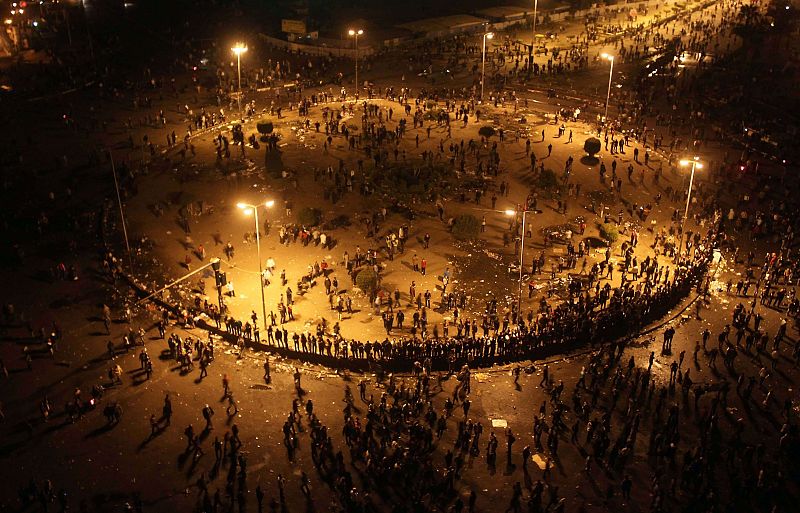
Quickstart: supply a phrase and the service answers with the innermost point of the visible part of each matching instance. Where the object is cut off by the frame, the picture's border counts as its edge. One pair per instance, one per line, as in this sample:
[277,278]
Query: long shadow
[140,379]
[195,460]
[105,428]
[150,438]
[593,484]
[213,472]
[203,434]
[183,457]
[52,427]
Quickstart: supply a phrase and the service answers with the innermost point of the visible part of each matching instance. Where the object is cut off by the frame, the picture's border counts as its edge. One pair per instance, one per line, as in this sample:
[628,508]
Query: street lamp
[513,213]
[215,265]
[121,211]
[696,164]
[610,74]
[239,49]
[253,209]
[354,34]
[533,42]
[486,35]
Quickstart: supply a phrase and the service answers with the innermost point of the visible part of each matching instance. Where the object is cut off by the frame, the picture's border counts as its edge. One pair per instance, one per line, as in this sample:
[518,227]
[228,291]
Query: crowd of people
[410,449]
[593,313]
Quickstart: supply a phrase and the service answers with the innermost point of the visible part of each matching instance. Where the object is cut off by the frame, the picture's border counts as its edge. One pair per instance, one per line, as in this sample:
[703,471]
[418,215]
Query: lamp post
[696,164]
[486,35]
[610,75]
[533,40]
[514,213]
[215,265]
[121,211]
[253,209]
[239,49]
[354,33]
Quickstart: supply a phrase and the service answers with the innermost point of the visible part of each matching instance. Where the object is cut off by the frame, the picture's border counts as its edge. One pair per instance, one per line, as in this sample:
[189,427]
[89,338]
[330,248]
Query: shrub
[609,233]
[466,227]
[592,146]
[367,281]
[547,180]
[486,131]
[432,114]
[309,216]
[264,127]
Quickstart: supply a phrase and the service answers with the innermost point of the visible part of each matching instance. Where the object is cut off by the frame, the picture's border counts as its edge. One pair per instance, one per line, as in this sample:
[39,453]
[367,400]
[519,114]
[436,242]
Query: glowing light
[695,161]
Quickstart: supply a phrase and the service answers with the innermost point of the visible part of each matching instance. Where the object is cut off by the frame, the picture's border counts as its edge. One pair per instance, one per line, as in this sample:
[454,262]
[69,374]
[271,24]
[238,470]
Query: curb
[540,354]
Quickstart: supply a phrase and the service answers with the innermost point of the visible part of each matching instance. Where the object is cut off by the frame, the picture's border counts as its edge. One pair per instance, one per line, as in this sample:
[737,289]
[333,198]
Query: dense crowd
[592,314]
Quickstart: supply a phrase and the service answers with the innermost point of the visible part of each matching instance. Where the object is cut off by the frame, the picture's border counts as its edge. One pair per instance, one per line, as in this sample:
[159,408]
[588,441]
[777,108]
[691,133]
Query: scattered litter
[499,423]
[540,460]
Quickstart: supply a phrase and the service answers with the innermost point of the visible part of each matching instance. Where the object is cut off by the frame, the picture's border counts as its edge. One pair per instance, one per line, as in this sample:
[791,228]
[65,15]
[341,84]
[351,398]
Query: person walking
[225,386]
[232,405]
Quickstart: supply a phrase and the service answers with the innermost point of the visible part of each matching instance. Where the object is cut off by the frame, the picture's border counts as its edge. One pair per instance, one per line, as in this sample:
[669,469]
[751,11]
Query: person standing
[208,413]
[297,380]
[203,367]
[510,439]
[267,376]
[153,425]
[626,486]
[166,411]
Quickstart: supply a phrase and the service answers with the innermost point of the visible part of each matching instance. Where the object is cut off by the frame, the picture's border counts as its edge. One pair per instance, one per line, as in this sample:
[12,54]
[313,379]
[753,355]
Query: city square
[252,269]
